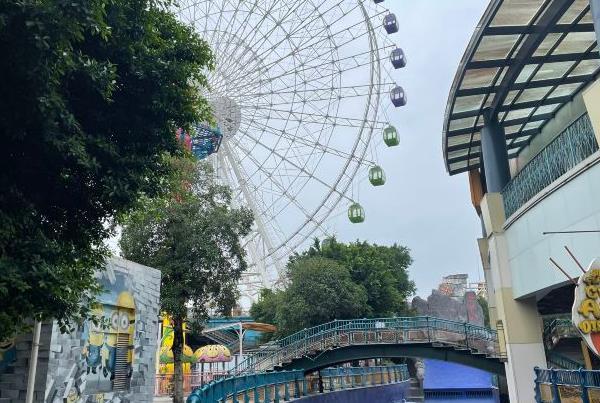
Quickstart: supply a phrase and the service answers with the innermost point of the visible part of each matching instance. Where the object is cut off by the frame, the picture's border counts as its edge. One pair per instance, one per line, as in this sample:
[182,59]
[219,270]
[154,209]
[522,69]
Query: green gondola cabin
[356,213]
[390,136]
[376,176]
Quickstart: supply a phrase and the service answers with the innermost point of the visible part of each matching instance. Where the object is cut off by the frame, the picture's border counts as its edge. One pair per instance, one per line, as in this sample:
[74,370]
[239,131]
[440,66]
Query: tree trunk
[177,352]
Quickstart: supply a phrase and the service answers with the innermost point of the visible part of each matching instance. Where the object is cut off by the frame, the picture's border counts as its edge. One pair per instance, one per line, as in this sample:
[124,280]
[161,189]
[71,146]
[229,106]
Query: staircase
[415,393]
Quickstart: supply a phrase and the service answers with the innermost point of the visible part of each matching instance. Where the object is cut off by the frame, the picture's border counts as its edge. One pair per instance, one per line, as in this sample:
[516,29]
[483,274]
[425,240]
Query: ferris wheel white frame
[268,246]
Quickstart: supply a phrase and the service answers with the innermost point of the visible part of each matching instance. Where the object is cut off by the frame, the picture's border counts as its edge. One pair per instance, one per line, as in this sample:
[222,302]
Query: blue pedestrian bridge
[342,341]
[287,364]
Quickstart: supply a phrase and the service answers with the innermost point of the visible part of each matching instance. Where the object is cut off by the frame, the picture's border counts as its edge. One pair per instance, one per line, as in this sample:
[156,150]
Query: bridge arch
[347,340]
[345,354]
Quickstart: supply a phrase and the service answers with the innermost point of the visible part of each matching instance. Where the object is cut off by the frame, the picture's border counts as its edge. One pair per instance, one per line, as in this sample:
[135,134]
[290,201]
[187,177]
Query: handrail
[401,330]
[550,382]
[562,361]
[282,386]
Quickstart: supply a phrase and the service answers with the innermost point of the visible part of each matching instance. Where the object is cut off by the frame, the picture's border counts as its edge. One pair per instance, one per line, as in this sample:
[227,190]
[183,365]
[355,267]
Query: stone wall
[111,361]
[465,309]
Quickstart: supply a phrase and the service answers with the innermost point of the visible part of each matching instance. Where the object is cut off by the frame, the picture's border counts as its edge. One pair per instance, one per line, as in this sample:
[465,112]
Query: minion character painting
[95,340]
[118,357]
[109,346]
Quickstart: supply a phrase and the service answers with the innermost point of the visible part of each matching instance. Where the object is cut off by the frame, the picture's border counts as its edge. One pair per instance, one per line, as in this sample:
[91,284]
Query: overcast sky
[421,206]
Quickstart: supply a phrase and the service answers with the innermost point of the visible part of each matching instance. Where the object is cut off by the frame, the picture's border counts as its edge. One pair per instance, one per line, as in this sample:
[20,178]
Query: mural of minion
[95,340]
[72,396]
[122,326]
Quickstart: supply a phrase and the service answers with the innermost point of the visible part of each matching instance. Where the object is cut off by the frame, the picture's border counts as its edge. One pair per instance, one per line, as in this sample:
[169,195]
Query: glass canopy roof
[525,60]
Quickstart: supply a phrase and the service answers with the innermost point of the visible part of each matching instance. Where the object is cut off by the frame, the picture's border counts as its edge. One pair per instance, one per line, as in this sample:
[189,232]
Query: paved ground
[162,399]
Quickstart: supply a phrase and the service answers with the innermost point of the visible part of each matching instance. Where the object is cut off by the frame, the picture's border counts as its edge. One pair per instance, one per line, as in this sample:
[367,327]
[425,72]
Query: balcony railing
[556,386]
[573,145]
[558,329]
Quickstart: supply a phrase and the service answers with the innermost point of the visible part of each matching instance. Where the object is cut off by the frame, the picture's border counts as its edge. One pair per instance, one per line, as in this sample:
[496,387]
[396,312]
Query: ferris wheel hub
[228,114]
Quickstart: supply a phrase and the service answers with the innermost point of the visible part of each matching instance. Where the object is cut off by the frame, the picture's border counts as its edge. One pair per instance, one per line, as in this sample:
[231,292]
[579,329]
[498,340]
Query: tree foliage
[333,280]
[482,301]
[320,290]
[92,91]
[194,238]
[381,270]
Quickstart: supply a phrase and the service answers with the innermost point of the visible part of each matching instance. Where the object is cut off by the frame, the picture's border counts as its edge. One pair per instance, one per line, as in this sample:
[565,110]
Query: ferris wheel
[301,92]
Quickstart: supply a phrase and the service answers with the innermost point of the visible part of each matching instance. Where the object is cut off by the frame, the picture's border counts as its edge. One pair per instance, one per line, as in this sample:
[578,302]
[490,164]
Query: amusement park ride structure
[300,92]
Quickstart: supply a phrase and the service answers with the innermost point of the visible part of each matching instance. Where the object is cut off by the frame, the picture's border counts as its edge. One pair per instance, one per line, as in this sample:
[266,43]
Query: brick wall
[62,372]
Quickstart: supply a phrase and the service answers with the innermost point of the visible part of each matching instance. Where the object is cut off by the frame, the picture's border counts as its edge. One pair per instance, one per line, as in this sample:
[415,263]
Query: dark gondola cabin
[398,97]
[390,23]
[398,58]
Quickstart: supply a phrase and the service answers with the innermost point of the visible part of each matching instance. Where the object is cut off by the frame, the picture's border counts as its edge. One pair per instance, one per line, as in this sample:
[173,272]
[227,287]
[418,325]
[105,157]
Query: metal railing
[556,386]
[573,145]
[163,385]
[558,329]
[562,362]
[281,386]
[339,333]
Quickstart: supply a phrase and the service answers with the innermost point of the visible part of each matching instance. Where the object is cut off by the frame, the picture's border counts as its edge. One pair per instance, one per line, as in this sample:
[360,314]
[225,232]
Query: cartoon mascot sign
[586,308]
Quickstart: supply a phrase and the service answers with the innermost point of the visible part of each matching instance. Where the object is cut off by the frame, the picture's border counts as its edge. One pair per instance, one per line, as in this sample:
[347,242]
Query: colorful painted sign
[165,354]
[586,308]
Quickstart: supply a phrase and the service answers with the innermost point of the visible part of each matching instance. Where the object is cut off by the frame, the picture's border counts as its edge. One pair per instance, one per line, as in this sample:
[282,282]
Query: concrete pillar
[595,8]
[591,99]
[495,154]
[489,281]
[520,318]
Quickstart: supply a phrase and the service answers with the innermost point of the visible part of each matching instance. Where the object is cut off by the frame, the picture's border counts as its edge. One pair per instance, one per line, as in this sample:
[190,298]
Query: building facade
[113,360]
[523,122]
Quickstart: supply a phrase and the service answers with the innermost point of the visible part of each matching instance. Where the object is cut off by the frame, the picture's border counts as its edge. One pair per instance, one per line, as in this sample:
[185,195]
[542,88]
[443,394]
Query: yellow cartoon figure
[72,396]
[119,342]
[95,340]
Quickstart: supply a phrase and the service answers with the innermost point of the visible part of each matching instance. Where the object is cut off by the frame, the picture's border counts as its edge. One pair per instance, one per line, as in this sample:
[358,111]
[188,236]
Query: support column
[595,8]
[521,320]
[591,98]
[489,281]
[495,153]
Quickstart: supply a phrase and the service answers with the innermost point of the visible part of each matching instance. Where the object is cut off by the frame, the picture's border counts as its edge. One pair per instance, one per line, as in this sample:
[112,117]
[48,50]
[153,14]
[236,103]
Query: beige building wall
[520,319]
[591,98]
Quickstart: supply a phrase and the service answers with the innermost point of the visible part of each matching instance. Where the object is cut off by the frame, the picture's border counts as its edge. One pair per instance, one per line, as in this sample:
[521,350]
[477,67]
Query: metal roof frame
[505,77]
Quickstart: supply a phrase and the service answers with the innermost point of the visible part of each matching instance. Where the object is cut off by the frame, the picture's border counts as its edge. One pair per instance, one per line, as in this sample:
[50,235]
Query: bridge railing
[419,329]
[555,386]
[282,386]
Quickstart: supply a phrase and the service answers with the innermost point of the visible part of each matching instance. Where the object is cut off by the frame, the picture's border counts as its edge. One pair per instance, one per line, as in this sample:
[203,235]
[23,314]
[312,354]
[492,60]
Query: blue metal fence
[282,386]
[556,386]
[573,145]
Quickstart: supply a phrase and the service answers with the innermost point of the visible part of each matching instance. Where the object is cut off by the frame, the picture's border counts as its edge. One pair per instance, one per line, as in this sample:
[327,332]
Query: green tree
[333,280]
[485,308]
[193,237]
[319,290]
[92,91]
[381,270]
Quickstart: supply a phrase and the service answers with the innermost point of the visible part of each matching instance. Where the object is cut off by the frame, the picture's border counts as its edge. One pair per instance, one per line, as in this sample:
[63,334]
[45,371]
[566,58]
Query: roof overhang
[526,59]
[235,326]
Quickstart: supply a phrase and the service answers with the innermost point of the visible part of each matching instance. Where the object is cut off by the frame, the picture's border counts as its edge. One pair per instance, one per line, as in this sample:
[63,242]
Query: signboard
[586,308]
